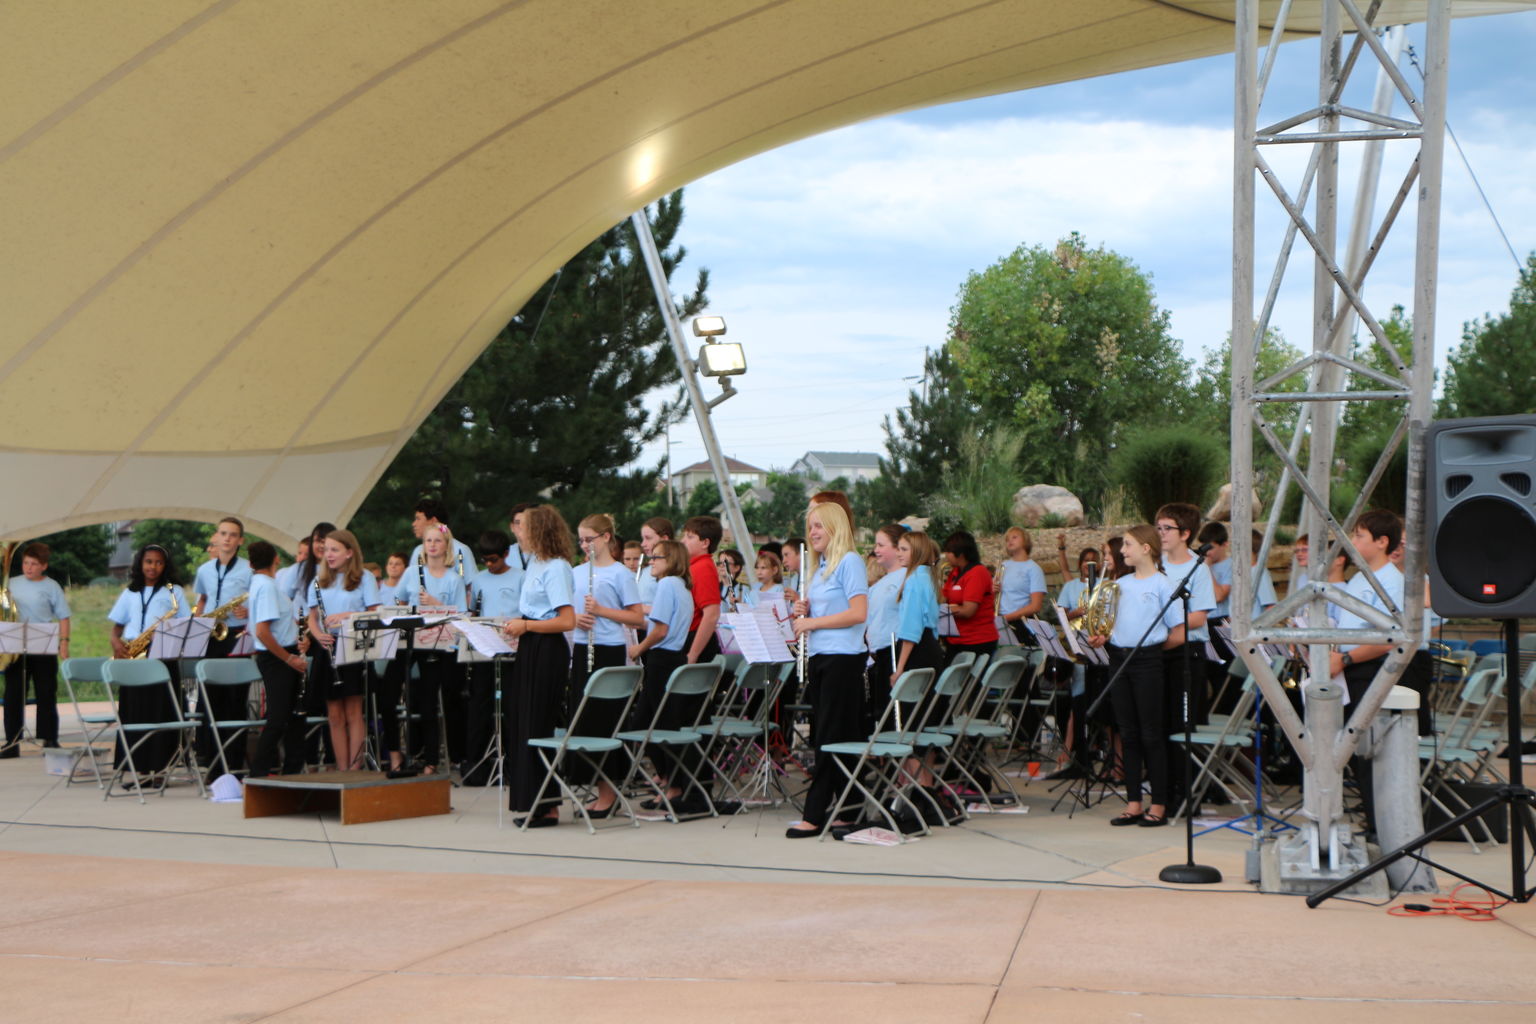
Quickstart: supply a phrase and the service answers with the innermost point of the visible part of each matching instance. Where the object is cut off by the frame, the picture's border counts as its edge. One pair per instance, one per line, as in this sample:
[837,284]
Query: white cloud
[837,259]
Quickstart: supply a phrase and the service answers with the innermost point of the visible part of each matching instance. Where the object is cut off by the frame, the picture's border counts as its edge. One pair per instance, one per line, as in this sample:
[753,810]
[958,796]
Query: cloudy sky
[836,260]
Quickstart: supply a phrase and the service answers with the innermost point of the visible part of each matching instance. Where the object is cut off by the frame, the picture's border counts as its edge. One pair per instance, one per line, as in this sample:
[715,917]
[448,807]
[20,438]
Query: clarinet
[800,654]
[336,642]
[592,593]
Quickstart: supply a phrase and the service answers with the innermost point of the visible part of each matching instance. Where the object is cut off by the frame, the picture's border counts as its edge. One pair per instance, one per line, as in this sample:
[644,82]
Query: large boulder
[1221,512]
[1035,502]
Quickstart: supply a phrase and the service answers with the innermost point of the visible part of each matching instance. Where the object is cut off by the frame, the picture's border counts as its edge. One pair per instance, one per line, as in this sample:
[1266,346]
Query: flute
[592,594]
[801,653]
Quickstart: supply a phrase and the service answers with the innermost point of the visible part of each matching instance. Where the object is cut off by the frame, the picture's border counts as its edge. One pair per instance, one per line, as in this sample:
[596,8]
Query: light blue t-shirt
[268,603]
[221,584]
[614,587]
[1021,582]
[884,615]
[767,597]
[337,599]
[1141,601]
[449,588]
[548,586]
[830,594]
[645,586]
[1071,597]
[1221,573]
[1391,579]
[1263,593]
[135,611]
[40,601]
[673,608]
[1202,596]
[919,606]
[497,592]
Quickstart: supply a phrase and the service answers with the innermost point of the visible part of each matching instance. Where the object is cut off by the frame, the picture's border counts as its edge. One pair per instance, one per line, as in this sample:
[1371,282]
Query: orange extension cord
[1454,905]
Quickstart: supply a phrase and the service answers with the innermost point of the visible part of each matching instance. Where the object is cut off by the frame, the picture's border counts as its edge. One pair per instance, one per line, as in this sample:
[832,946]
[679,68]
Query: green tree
[979,486]
[701,500]
[75,556]
[1067,346]
[555,405]
[784,515]
[1493,370]
[1210,405]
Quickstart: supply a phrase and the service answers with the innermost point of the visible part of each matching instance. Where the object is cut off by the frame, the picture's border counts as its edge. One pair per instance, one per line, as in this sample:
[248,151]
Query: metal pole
[690,373]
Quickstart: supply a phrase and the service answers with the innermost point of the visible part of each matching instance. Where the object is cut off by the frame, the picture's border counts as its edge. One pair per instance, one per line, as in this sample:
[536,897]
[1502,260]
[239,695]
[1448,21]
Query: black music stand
[408,625]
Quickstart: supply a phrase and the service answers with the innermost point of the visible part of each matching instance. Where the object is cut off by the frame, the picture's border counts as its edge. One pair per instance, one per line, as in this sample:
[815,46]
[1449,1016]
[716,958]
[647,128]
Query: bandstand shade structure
[248,244]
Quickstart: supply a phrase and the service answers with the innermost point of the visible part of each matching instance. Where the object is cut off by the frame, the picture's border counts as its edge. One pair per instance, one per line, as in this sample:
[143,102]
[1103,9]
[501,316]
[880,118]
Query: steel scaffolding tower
[1324,849]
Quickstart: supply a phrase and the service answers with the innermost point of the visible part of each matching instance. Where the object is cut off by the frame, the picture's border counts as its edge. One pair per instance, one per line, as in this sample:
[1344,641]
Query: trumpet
[138,647]
[221,614]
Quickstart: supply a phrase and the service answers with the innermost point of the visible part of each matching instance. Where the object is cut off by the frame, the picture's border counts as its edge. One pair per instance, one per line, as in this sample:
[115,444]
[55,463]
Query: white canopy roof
[248,246]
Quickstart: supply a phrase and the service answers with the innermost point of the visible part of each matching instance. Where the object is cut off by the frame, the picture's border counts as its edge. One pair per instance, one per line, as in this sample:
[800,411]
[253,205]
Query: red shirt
[706,587]
[975,584]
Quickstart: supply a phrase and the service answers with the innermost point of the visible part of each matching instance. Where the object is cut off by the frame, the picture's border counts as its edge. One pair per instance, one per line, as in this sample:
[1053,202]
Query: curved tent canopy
[248,246]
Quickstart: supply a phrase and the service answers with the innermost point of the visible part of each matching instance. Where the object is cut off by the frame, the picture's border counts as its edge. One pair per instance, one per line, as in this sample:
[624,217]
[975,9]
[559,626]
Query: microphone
[1203,550]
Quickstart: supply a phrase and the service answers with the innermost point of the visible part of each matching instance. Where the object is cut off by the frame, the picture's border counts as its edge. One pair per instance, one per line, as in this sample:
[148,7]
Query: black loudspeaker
[1482,516]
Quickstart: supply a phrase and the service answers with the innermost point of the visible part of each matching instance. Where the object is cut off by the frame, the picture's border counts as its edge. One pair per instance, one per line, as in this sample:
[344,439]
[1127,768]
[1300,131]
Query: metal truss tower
[1324,848]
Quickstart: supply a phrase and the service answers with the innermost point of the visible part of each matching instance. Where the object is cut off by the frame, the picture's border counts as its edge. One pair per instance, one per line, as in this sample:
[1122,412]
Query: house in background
[687,478]
[828,466]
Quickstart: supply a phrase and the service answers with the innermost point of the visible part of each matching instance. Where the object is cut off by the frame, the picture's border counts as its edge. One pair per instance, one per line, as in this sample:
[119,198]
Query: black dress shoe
[802,833]
[542,821]
[598,815]
[1127,819]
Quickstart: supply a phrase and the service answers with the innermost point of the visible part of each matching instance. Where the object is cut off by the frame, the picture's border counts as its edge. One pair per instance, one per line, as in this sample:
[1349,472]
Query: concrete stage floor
[181,910]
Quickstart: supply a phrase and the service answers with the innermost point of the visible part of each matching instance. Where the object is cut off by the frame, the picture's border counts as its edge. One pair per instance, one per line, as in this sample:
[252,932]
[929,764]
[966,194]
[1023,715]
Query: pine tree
[554,407]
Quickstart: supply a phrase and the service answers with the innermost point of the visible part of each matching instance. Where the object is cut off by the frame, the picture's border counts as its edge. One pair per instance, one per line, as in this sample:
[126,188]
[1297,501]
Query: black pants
[839,687]
[1140,710]
[42,670]
[599,718]
[284,729]
[437,674]
[151,704]
[539,678]
[224,702]
[480,713]
[877,685]
[953,650]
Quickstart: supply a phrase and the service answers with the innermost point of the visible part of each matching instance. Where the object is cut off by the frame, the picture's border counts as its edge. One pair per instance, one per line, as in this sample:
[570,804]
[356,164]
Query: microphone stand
[1189,873]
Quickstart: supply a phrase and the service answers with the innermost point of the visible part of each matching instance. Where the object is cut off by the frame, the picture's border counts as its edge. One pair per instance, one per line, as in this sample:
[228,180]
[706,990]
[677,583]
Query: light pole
[717,359]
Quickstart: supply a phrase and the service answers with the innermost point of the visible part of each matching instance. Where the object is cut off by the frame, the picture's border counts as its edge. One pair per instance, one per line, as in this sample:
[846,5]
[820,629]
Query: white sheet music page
[758,644]
[484,638]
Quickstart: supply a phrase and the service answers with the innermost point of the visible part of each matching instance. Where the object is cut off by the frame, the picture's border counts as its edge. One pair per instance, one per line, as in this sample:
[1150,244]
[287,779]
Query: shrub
[1169,464]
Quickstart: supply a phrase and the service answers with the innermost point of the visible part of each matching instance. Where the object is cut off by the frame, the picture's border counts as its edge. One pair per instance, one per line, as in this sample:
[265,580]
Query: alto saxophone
[138,647]
[221,614]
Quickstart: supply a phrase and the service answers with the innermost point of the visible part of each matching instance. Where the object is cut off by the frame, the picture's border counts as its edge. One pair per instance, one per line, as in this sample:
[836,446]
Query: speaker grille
[1520,483]
[1480,550]
[1454,485]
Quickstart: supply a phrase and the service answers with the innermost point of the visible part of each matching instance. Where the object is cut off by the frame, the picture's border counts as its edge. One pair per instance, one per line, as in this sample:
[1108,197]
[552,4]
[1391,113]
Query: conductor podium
[359,796]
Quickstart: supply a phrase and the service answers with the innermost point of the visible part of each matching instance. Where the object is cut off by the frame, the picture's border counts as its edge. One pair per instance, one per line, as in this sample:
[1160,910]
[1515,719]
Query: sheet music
[947,627]
[29,638]
[358,645]
[758,641]
[1092,655]
[1046,634]
[485,638]
[181,638]
[245,645]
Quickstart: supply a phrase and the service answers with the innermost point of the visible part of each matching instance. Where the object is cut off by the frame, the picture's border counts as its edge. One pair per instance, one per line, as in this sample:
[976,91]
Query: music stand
[181,640]
[760,638]
[24,639]
[359,644]
[481,641]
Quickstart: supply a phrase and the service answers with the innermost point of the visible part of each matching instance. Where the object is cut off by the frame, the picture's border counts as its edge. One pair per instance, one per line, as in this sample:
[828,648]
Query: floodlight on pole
[708,326]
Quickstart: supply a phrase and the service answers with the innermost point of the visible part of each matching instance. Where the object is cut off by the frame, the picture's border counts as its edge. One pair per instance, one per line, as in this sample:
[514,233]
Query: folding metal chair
[1214,749]
[120,675]
[976,733]
[235,674]
[687,681]
[616,685]
[736,743]
[94,725]
[884,752]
